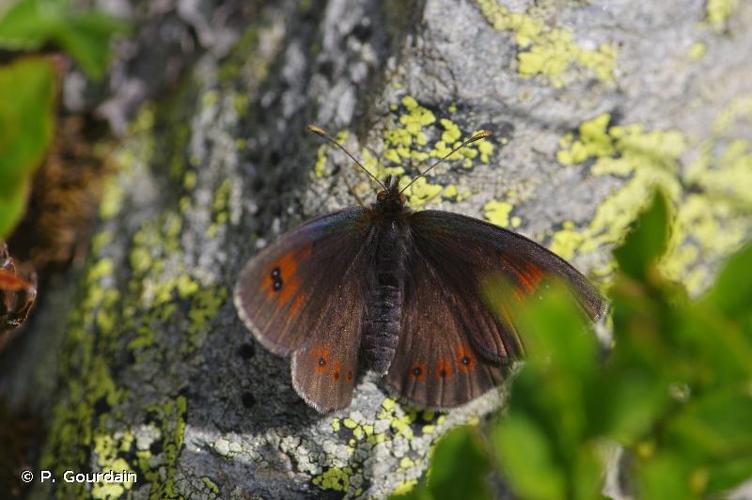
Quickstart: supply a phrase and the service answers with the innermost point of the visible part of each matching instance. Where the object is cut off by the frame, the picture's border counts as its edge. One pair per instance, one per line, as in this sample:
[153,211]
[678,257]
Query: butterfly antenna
[475,137]
[352,191]
[322,133]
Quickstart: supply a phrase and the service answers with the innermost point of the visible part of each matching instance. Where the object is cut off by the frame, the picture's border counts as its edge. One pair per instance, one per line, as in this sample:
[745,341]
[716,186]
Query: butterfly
[398,292]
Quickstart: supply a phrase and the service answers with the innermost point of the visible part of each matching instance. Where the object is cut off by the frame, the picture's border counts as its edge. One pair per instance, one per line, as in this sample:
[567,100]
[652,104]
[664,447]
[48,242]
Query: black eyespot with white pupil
[417,371]
[276,279]
[465,360]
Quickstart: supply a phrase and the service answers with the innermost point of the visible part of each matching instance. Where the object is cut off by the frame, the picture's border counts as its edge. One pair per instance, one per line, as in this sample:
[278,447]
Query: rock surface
[592,104]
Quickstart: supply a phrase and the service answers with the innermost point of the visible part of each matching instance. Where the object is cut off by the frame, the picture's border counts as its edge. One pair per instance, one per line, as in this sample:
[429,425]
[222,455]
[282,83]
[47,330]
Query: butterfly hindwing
[436,365]
[450,324]
[324,369]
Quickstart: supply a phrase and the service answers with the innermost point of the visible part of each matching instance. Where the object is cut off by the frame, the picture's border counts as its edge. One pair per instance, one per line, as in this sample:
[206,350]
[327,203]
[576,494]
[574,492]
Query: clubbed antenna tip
[481,134]
[316,130]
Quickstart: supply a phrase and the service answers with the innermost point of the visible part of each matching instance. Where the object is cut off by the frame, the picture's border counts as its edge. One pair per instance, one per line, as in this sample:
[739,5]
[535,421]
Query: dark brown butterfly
[399,292]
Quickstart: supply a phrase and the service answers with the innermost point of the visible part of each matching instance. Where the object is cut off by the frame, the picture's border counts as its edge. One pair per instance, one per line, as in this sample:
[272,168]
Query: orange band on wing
[282,281]
[529,278]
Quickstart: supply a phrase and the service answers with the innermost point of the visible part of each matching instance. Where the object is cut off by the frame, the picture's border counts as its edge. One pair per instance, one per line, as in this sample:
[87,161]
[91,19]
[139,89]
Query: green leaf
[460,466]
[588,473]
[732,291]
[85,35]
[664,477]
[27,92]
[716,426]
[27,24]
[554,331]
[86,38]
[647,240]
[12,208]
[631,401]
[459,469]
[528,460]
[727,474]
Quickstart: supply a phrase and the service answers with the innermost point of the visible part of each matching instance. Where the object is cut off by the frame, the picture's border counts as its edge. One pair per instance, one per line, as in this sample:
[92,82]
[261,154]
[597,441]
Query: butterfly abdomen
[383,318]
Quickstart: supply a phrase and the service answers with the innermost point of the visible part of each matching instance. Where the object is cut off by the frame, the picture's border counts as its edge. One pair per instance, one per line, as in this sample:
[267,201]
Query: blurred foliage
[674,391]
[27,96]
[28,87]
[84,34]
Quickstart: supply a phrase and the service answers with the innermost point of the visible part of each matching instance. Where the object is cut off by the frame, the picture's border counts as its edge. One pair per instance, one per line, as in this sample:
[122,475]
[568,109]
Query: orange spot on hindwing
[444,370]
[465,360]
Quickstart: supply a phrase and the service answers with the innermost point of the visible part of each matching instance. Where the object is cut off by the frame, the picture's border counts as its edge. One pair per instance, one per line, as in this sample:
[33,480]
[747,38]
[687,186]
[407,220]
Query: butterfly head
[390,200]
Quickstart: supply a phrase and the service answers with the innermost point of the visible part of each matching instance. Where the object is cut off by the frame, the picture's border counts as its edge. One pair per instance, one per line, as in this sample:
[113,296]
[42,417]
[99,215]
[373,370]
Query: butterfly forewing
[284,291]
[482,249]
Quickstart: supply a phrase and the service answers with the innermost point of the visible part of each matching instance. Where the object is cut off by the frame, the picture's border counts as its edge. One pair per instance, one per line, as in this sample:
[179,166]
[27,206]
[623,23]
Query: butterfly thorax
[390,201]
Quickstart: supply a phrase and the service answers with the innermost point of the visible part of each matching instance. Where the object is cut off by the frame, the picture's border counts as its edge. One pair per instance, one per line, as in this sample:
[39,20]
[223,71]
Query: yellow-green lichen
[157,290]
[204,306]
[209,99]
[405,487]
[593,141]
[334,478]
[263,40]
[220,204]
[406,145]
[421,192]
[738,111]
[547,50]
[112,200]
[319,168]
[101,240]
[388,404]
[717,12]
[90,387]
[497,212]
[240,102]
[210,485]
[697,51]
[189,180]
[710,216]
[170,416]
[106,448]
